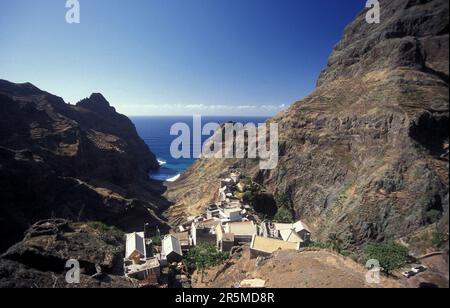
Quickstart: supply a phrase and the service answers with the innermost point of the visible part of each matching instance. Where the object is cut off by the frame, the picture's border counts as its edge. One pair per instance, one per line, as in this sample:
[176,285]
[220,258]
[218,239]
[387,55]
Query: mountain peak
[98,98]
[19,88]
[96,102]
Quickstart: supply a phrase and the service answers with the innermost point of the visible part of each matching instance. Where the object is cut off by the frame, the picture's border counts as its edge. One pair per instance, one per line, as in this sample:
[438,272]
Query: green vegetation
[251,192]
[320,245]
[157,241]
[99,226]
[439,239]
[203,257]
[283,216]
[335,243]
[285,213]
[350,254]
[247,196]
[391,255]
[335,246]
[283,200]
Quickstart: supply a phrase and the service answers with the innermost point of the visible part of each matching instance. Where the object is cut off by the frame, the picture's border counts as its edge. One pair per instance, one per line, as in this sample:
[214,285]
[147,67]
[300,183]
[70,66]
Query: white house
[284,231]
[230,214]
[135,249]
[149,270]
[223,193]
[204,232]
[226,182]
[212,211]
[137,265]
[289,235]
[184,239]
[171,248]
[243,231]
[303,231]
[263,246]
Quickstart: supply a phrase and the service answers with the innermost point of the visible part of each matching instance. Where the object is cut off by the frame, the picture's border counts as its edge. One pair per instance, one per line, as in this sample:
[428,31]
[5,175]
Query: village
[156,259]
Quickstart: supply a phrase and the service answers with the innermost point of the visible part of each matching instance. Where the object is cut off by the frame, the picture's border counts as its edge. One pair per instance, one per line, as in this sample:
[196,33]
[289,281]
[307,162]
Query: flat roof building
[150,271]
[243,231]
[266,246]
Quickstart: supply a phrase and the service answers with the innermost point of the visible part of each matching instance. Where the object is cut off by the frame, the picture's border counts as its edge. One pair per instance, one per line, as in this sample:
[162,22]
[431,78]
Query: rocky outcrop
[365,156]
[39,261]
[83,163]
[412,33]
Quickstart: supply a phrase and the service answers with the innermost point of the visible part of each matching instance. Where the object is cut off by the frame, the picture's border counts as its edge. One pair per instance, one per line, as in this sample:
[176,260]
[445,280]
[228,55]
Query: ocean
[155,131]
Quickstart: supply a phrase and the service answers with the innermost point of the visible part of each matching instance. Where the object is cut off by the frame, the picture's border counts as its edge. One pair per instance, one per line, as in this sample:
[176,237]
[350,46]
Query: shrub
[283,216]
[283,200]
[204,256]
[319,245]
[391,255]
[99,226]
[157,241]
[247,196]
[335,242]
[439,239]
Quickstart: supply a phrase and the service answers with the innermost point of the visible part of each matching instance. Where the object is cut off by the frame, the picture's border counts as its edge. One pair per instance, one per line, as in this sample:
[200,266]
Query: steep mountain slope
[83,162]
[365,156]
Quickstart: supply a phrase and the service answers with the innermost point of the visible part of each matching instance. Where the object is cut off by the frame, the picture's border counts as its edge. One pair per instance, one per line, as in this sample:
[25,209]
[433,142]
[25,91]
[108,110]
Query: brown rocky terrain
[365,156]
[291,269]
[39,260]
[81,162]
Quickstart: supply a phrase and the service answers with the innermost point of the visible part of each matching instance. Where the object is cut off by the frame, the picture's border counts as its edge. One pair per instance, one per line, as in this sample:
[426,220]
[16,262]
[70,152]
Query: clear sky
[174,57]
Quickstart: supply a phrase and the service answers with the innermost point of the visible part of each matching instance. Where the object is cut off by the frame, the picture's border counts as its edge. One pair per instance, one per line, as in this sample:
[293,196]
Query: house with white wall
[171,249]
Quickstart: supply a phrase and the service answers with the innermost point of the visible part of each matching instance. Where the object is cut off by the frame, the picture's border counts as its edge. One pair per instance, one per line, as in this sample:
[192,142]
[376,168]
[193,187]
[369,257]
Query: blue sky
[174,57]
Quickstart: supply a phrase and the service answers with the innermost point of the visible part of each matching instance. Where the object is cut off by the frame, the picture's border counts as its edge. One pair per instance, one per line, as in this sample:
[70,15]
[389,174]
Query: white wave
[161,162]
[174,178]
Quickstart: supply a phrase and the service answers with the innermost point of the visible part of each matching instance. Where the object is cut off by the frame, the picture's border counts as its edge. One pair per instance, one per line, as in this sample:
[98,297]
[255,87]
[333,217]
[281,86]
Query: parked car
[415,271]
[409,274]
[419,269]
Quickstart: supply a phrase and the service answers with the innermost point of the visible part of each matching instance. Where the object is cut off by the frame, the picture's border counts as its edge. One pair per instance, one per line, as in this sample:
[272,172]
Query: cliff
[365,156]
[81,162]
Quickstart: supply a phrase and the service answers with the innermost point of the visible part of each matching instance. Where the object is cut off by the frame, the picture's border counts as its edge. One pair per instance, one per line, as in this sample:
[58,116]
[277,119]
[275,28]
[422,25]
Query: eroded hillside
[81,162]
[365,156]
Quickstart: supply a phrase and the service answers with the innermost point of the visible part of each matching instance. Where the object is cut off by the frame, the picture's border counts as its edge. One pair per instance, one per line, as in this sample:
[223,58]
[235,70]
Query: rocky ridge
[365,156]
[39,261]
[81,162]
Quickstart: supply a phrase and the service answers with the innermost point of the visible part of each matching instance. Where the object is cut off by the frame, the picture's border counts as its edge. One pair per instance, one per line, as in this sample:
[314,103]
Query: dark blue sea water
[155,131]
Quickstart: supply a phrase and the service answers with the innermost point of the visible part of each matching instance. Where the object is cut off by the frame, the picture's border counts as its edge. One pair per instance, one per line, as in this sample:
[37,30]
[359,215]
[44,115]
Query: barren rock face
[84,163]
[412,33]
[39,260]
[365,156]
